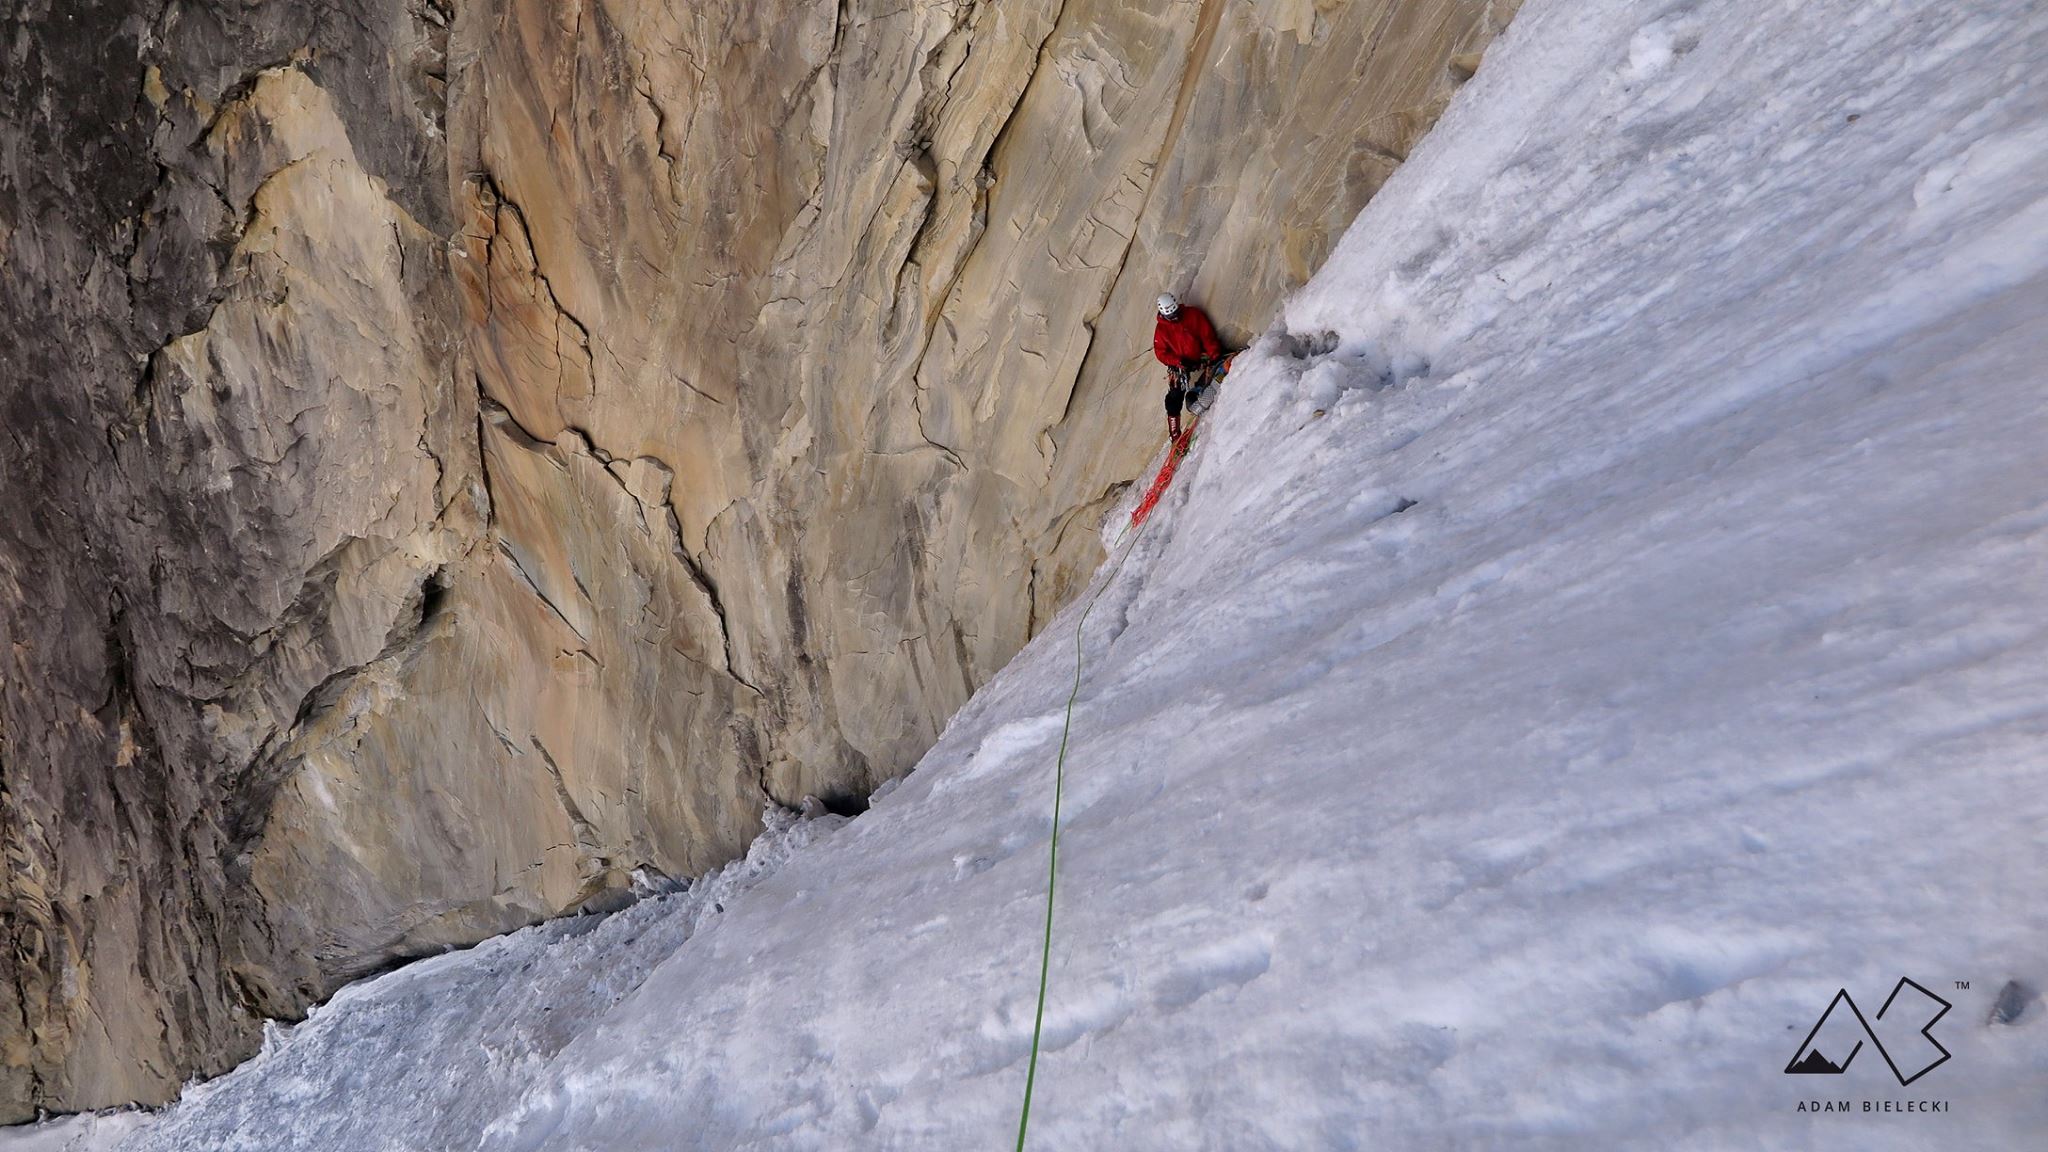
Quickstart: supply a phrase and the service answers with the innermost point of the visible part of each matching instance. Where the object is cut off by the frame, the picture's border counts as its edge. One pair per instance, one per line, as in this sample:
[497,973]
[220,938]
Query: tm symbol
[1962,985]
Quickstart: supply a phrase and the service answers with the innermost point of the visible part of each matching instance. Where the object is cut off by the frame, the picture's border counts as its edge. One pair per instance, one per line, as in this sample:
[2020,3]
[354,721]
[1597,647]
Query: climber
[1186,343]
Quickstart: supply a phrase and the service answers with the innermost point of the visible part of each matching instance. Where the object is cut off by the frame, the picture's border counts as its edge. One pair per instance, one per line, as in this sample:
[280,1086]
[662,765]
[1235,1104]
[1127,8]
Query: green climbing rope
[1059,779]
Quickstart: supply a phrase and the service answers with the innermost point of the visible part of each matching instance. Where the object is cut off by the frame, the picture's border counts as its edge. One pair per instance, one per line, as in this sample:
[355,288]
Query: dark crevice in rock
[702,578]
[495,198]
[512,558]
[254,789]
[593,858]
[698,574]
[671,160]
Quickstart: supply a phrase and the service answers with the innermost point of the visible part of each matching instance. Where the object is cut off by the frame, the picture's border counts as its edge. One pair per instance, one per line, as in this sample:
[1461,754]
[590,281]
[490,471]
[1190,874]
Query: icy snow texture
[1648,637]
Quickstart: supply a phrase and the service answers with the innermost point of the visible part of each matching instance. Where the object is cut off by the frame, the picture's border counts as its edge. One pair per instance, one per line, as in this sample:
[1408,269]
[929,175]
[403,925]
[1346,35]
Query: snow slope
[1607,616]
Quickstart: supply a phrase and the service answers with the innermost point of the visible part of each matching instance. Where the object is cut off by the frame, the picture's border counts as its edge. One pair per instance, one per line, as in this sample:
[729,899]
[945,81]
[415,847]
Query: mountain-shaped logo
[1902,1035]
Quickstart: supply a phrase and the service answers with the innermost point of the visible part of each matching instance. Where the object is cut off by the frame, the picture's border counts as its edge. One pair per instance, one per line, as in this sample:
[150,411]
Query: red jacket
[1185,340]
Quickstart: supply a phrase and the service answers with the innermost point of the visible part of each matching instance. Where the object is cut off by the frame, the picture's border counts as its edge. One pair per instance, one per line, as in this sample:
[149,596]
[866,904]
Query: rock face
[463,457]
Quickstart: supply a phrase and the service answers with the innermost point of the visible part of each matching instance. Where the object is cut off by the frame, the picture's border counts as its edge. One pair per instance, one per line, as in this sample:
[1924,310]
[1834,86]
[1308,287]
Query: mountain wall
[464,459]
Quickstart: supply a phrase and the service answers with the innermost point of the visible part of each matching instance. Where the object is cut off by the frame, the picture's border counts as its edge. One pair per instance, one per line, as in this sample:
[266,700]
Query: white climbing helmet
[1168,303]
